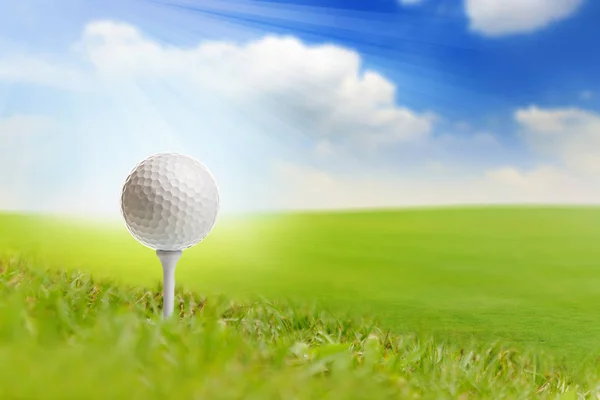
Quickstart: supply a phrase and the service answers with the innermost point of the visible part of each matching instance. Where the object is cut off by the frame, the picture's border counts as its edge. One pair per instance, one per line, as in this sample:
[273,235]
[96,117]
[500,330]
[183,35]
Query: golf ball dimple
[169,202]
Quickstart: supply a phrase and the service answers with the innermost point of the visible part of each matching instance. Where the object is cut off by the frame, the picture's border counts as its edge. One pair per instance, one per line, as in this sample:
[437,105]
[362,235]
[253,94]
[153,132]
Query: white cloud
[317,96]
[535,181]
[546,184]
[309,188]
[570,135]
[506,17]
[303,187]
[319,90]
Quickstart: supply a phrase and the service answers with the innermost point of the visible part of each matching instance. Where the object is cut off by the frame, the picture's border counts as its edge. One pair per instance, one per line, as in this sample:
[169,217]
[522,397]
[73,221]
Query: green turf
[529,276]
[65,335]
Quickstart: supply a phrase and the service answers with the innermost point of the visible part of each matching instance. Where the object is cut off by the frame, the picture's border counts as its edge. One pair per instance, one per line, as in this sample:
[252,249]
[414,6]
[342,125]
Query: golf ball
[169,202]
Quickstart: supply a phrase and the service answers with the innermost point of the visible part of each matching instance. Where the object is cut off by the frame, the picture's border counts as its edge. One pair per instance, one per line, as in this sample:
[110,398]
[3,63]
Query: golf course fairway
[527,276]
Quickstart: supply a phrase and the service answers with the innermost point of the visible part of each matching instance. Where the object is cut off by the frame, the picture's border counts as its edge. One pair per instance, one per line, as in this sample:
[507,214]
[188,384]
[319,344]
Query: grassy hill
[66,335]
[527,276]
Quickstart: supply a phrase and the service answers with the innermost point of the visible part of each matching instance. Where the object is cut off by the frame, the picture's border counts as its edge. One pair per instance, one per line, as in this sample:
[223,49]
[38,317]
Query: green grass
[527,276]
[66,335]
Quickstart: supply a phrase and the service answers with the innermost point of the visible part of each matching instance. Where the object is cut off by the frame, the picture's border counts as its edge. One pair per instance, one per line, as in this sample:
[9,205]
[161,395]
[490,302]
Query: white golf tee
[168,259]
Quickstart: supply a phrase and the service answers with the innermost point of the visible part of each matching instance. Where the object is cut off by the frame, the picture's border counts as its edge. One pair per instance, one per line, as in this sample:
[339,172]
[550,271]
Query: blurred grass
[66,335]
[529,276]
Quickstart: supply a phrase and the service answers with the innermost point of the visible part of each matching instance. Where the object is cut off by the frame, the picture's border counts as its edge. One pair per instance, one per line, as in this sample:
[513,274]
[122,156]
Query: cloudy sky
[302,103]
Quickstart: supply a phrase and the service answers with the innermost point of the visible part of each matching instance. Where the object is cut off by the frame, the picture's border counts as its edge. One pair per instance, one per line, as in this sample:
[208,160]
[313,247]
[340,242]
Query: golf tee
[168,259]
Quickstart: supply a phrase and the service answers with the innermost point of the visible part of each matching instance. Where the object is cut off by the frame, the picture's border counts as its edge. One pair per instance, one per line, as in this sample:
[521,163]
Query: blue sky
[303,104]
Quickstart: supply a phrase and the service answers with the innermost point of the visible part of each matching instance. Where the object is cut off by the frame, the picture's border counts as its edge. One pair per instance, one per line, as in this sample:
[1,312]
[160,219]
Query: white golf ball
[170,202]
